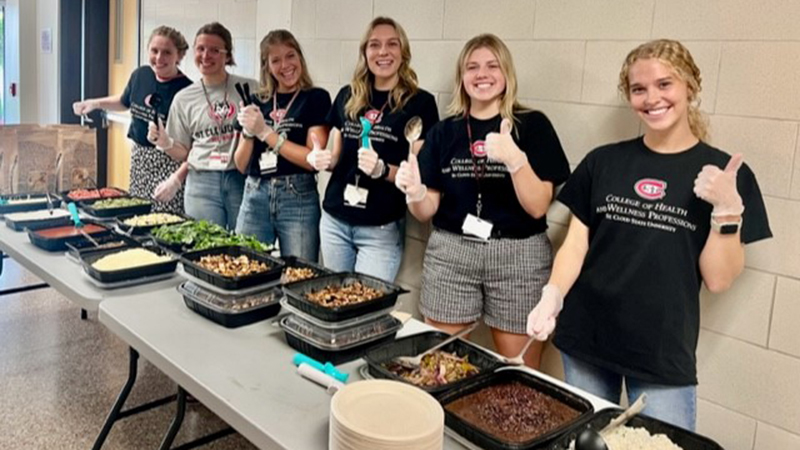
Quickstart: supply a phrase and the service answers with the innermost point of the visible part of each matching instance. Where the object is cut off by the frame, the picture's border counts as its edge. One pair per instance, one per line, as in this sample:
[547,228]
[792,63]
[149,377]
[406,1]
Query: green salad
[202,234]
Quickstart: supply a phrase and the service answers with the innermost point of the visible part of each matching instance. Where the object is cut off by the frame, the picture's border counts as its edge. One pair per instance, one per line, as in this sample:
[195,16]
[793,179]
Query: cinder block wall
[568,54]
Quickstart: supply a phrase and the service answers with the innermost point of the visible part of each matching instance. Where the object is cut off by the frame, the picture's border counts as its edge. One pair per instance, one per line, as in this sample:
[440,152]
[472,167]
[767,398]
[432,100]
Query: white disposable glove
[370,163]
[409,181]
[84,107]
[718,187]
[318,158]
[252,121]
[167,189]
[542,319]
[158,136]
[502,148]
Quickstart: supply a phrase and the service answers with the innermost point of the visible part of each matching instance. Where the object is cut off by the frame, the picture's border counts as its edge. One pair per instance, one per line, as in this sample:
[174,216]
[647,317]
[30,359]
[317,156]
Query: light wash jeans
[673,404]
[214,196]
[371,250]
[285,208]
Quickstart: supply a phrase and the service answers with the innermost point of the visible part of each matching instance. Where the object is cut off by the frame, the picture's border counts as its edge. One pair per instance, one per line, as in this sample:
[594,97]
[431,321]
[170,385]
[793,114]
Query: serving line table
[66,276]
[244,375]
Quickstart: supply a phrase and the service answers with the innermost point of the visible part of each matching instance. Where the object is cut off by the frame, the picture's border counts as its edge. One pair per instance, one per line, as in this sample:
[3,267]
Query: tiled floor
[60,375]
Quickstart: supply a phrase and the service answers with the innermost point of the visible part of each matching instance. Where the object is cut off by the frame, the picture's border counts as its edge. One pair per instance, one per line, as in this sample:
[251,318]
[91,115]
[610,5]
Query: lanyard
[376,117]
[478,167]
[277,120]
[211,109]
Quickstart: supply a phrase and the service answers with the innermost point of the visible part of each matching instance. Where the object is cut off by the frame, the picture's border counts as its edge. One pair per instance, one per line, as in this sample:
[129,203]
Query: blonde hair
[268,82]
[173,35]
[407,85]
[675,56]
[509,105]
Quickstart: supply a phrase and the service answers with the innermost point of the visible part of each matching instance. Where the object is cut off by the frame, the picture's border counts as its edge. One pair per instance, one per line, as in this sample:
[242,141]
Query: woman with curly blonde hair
[653,218]
[362,226]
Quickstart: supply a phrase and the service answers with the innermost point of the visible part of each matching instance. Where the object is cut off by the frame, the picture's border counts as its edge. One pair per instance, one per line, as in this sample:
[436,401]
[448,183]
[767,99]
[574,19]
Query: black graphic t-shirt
[385,203]
[145,96]
[446,164]
[635,306]
[308,110]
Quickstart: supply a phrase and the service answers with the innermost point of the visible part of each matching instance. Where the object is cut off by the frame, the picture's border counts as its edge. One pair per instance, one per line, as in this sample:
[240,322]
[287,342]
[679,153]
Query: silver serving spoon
[89,237]
[517,360]
[412,362]
[589,439]
[413,131]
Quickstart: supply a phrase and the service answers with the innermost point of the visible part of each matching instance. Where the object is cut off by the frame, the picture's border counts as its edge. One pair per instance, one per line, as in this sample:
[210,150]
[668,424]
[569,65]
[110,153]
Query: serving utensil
[88,237]
[413,131]
[49,203]
[412,362]
[589,439]
[517,360]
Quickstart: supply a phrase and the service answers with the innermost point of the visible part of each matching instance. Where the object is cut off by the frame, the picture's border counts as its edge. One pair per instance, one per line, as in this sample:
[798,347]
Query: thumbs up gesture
[409,181]
[502,148]
[718,187]
[158,136]
[318,158]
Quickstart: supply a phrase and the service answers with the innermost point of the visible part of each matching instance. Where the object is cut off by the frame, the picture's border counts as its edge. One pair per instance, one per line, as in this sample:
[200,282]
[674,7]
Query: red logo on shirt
[374,116]
[650,188]
[222,111]
[478,149]
[277,115]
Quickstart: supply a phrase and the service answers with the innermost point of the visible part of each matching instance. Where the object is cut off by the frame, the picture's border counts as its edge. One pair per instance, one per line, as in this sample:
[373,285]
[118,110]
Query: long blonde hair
[407,85]
[267,81]
[675,56]
[509,105]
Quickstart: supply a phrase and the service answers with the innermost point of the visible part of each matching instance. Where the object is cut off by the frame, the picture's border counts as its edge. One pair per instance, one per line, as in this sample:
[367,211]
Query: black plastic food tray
[418,343]
[331,356]
[685,439]
[87,259]
[24,207]
[60,244]
[66,199]
[105,213]
[235,319]
[273,274]
[140,230]
[83,246]
[38,224]
[297,262]
[489,442]
[296,295]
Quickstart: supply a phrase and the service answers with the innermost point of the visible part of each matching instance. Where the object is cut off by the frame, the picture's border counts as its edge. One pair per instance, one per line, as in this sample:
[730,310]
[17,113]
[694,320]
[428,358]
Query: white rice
[626,438]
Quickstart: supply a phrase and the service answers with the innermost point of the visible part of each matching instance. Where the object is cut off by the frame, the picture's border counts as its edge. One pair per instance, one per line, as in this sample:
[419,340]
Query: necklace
[211,108]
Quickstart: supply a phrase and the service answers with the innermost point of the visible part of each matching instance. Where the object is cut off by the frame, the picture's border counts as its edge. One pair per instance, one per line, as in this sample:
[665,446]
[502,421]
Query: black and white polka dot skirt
[149,167]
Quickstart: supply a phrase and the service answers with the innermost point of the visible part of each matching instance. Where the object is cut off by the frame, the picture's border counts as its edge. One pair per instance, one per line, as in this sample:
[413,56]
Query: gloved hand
[84,107]
[318,158]
[167,189]
[252,121]
[409,181]
[502,148]
[158,136]
[718,187]
[542,319]
[370,163]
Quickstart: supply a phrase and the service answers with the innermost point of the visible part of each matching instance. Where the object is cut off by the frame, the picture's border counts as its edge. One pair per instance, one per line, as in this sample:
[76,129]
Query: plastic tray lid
[369,317]
[340,339]
[230,304]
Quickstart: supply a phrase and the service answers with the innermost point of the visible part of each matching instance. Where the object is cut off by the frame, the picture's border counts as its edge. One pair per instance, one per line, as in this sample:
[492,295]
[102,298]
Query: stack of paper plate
[385,415]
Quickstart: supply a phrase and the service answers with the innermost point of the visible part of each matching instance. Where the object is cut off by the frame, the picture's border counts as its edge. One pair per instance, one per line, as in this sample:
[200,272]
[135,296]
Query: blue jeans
[214,196]
[673,404]
[284,208]
[372,250]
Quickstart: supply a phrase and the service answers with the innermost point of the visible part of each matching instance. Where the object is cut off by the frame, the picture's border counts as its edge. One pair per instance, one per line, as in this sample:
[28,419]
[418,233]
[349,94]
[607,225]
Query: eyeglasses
[210,51]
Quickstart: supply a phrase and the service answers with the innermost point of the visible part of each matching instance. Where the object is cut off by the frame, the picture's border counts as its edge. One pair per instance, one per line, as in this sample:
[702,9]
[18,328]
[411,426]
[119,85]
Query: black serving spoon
[589,439]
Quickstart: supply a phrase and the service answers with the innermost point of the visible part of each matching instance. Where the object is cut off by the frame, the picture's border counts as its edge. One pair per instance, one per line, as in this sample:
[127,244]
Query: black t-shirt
[447,165]
[144,96]
[635,306]
[385,203]
[308,110]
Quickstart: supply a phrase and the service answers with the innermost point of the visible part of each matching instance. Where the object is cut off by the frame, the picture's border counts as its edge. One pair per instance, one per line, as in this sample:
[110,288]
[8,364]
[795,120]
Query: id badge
[268,162]
[218,161]
[355,196]
[477,227]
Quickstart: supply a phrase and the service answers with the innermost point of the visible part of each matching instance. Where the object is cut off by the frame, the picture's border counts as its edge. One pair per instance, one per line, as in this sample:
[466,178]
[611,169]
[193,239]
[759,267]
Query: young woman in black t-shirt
[280,194]
[486,175]
[148,96]
[362,226]
[653,219]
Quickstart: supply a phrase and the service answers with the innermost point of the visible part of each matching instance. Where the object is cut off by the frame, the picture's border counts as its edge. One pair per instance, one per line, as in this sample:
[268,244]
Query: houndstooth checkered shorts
[500,280]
